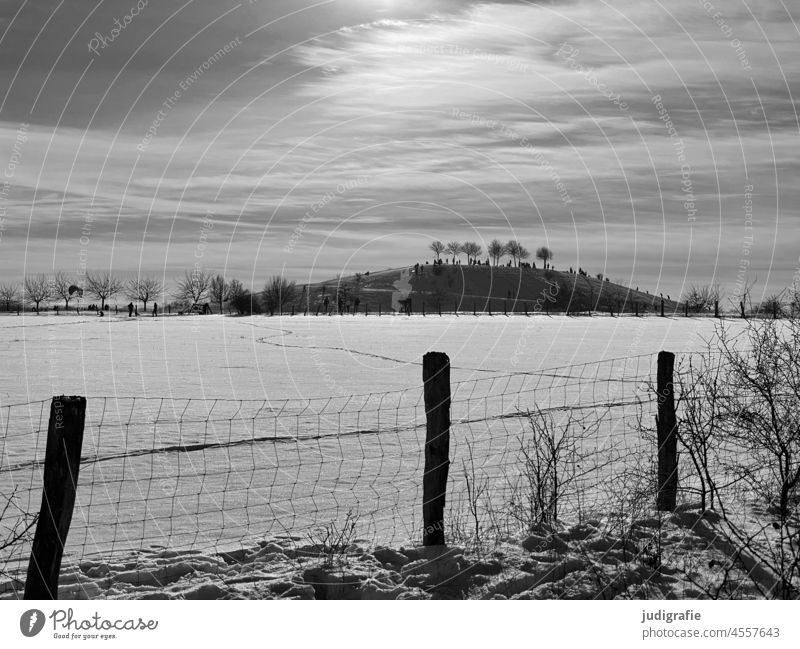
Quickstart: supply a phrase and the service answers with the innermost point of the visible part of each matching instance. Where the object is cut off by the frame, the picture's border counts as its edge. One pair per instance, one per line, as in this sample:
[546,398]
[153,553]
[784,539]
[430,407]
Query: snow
[218,357]
[585,562]
[146,379]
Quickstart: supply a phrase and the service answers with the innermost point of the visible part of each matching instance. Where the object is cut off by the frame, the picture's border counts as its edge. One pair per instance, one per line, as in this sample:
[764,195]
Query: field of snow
[282,445]
[220,357]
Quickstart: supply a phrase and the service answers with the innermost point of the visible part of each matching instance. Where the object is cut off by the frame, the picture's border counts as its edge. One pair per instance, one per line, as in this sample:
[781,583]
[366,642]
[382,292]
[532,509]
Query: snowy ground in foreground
[680,556]
[299,357]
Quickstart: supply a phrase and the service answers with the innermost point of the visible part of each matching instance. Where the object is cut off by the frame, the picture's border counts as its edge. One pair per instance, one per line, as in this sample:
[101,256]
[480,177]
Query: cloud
[535,119]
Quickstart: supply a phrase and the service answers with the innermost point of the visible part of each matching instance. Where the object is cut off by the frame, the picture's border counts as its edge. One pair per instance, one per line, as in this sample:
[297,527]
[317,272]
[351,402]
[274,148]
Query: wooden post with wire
[61,467]
[436,380]
[667,434]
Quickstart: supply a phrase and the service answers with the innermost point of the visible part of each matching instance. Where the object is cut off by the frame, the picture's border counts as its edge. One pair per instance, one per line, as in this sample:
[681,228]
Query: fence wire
[165,475]
[200,474]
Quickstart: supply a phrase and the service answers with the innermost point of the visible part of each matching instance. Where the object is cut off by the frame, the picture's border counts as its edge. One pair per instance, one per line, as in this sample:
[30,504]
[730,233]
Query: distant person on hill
[130,309]
[155,309]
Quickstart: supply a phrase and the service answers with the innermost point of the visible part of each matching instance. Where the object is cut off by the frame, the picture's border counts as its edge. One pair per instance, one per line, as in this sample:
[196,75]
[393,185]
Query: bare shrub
[477,488]
[551,455]
[16,527]
[740,424]
[700,386]
[332,540]
[700,299]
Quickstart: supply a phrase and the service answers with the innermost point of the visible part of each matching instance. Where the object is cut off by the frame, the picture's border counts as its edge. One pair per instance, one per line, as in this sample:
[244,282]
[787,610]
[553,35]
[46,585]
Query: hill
[481,289]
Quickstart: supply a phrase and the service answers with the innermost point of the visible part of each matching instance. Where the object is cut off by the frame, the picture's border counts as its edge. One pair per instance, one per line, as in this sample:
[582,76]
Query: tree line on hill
[496,250]
[194,289]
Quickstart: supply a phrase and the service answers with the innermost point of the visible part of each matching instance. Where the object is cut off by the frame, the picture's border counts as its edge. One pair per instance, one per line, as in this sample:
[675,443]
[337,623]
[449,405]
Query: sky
[655,142]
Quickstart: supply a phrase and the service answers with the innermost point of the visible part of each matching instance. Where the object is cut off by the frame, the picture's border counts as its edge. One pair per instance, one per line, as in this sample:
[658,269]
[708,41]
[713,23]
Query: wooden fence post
[716,308]
[61,466]
[436,379]
[667,429]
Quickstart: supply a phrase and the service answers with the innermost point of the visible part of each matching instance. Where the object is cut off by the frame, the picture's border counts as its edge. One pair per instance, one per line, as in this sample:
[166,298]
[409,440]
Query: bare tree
[454,249]
[472,250]
[61,287]
[239,297]
[104,286]
[512,250]
[8,293]
[278,292]
[37,289]
[496,250]
[192,287]
[545,254]
[144,289]
[466,248]
[219,290]
[438,248]
[523,253]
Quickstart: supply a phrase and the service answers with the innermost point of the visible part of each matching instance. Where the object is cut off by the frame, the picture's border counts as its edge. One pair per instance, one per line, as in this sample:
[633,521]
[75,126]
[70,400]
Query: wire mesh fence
[215,474]
[551,447]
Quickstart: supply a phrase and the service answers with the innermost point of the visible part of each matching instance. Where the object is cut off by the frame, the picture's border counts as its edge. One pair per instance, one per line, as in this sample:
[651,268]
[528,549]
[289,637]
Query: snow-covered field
[222,382]
[296,357]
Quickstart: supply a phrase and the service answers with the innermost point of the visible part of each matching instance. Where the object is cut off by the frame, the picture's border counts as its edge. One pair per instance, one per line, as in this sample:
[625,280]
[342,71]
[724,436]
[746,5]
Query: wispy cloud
[465,119]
